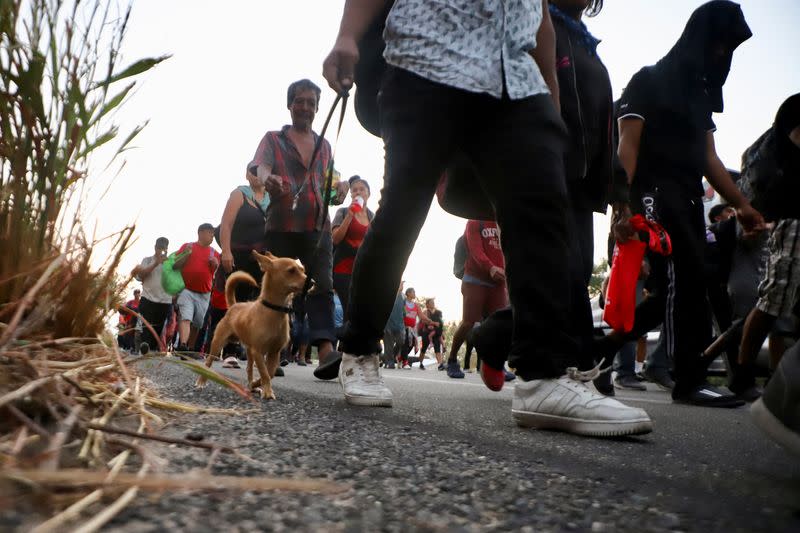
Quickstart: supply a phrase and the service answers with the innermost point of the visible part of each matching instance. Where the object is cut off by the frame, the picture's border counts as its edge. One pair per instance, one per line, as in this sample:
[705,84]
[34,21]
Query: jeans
[625,361]
[516,147]
[318,304]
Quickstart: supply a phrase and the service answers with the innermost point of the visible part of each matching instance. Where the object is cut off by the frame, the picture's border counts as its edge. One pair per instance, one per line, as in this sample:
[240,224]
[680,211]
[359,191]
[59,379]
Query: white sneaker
[362,382]
[565,404]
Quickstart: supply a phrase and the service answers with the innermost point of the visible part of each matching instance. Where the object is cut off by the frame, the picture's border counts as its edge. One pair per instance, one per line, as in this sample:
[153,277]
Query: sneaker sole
[623,387]
[577,426]
[366,401]
[329,369]
[731,402]
[774,428]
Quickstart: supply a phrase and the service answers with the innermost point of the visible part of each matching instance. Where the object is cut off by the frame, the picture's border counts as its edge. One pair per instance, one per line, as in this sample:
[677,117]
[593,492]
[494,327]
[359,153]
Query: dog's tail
[235,279]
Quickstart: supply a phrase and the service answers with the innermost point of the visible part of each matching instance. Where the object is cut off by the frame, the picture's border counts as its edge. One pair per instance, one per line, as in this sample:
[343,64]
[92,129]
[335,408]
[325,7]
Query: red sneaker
[493,378]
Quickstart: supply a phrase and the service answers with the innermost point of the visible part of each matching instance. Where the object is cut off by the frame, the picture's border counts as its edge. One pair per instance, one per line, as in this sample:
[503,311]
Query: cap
[162,242]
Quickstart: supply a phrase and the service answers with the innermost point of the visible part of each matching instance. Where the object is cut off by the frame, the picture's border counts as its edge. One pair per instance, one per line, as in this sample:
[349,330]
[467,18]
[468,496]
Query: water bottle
[357,205]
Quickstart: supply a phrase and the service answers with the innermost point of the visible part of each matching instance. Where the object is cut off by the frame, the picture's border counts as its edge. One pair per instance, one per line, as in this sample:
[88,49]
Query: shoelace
[587,375]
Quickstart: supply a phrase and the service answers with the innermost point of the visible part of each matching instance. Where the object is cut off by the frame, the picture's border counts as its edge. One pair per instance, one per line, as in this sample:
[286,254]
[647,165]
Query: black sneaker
[777,412]
[441,367]
[421,366]
[329,369]
[743,383]
[660,377]
[301,362]
[279,372]
[144,348]
[629,382]
[706,395]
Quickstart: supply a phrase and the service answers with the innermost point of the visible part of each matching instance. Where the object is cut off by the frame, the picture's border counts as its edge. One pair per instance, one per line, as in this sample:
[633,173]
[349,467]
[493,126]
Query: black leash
[327,191]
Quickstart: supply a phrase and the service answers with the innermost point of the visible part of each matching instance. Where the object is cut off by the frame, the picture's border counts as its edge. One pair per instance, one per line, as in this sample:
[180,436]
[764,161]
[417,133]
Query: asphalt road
[448,457]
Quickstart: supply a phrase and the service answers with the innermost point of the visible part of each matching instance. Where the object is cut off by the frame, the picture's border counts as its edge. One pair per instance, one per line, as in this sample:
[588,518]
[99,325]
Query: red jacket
[483,250]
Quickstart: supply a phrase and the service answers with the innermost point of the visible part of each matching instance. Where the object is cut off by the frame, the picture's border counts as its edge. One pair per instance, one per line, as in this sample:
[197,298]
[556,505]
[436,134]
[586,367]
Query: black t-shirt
[672,151]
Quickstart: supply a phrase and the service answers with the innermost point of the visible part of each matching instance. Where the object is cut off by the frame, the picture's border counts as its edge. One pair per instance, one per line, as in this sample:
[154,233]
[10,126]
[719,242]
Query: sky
[225,86]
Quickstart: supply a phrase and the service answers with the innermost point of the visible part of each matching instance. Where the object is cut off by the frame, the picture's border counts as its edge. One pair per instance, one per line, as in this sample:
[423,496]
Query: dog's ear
[264,261]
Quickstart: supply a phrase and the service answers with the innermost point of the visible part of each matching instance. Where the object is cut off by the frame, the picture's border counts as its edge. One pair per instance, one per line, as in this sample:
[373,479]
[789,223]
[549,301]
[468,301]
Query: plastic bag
[171,279]
[621,293]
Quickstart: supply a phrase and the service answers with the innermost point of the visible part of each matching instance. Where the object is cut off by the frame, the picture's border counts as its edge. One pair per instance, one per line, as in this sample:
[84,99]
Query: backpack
[759,169]
[460,256]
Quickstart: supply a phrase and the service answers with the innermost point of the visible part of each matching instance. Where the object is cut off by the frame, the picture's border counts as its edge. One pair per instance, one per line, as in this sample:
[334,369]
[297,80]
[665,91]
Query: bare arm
[339,232]
[178,265]
[545,54]
[340,64]
[235,202]
[630,137]
[140,271]
[719,178]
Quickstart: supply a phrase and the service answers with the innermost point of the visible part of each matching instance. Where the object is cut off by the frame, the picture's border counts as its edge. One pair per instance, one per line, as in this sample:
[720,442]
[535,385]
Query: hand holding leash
[340,64]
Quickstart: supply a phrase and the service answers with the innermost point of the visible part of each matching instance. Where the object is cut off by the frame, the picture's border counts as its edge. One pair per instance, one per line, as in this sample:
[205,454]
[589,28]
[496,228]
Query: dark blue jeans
[516,147]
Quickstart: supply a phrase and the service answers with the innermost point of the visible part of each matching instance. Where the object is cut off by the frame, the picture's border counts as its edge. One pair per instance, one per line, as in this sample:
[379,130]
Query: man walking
[197,270]
[458,83]
[155,303]
[294,225]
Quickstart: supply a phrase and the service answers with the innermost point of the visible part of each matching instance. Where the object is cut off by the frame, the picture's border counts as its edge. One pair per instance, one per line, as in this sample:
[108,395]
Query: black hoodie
[676,97]
[585,95]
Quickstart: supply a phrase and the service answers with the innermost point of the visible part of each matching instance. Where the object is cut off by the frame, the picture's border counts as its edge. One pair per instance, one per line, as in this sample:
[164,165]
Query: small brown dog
[262,326]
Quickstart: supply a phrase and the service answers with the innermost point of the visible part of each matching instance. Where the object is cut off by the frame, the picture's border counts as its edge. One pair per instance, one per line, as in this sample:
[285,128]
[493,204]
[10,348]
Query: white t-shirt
[151,284]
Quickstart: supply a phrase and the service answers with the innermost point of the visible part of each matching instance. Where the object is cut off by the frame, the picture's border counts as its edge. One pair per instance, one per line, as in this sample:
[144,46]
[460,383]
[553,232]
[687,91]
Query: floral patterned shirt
[479,46]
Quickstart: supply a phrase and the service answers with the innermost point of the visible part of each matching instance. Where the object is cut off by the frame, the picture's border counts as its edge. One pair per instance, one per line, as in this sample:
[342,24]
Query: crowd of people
[522,94]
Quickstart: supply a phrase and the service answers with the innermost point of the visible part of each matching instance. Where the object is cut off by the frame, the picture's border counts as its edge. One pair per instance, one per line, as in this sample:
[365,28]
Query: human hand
[227,261]
[274,185]
[621,227]
[213,262]
[751,220]
[339,66]
[160,258]
[357,204]
[497,274]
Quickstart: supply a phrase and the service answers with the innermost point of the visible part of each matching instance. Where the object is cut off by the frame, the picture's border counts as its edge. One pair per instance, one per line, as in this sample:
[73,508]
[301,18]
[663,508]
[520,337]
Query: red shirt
[354,237]
[483,250]
[411,314]
[198,272]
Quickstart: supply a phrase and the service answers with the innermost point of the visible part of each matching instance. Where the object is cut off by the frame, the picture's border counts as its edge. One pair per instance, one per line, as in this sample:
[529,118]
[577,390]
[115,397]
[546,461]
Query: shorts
[481,301]
[193,306]
[777,292]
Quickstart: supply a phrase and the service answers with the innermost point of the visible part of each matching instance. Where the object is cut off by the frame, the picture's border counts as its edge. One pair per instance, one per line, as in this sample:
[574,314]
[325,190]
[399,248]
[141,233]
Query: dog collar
[282,309]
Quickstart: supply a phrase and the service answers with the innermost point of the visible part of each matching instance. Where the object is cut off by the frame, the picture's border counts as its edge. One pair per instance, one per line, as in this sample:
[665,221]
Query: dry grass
[78,426]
